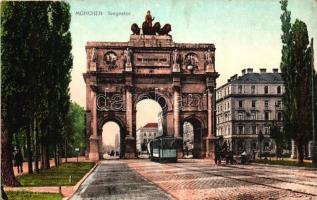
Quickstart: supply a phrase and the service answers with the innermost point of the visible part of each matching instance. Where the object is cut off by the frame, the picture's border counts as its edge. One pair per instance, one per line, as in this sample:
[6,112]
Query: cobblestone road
[197,179]
[113,179]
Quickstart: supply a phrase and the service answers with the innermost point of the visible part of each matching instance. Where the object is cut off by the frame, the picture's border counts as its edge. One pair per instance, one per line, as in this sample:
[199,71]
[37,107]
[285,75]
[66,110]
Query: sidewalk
[66,191]
[52,164]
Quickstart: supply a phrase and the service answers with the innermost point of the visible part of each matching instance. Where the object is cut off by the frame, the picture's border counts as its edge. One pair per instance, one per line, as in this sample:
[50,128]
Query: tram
[163,149]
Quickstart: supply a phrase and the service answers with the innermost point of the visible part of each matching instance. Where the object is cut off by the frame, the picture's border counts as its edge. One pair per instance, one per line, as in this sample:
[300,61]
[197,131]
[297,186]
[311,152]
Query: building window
[266,115]
[240,130]
[240,115]
[154,134]
[253,115]
[266,130]
[228,105]
[253,103]
[266,89]
[279,116]
[240,89]
[254,130]
[240,104]
[144,134]
[252,89]
[278,89]
[278,104]
[266,103]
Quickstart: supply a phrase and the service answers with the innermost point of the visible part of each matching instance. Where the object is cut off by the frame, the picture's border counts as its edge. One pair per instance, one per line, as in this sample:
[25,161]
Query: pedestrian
[254,153]
[243,157]
[19,161]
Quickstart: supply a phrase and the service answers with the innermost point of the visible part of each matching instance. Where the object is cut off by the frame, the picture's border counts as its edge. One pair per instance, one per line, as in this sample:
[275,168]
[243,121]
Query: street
[196,179]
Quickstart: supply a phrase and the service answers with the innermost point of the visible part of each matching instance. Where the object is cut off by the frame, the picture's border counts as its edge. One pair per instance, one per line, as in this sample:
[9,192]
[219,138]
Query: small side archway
[193,125]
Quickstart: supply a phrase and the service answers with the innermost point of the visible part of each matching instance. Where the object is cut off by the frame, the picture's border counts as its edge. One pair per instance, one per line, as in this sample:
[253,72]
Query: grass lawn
[57,176]
[284,162]
[33,196]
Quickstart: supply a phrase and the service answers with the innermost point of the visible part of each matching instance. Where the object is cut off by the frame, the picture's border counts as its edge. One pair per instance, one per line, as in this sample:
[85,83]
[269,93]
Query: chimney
[262,70]
[275,70]
[250,70]
[243,72]
[234,77]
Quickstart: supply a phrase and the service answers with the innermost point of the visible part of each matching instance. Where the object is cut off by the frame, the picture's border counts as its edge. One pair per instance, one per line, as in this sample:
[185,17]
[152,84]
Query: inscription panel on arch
[151,59]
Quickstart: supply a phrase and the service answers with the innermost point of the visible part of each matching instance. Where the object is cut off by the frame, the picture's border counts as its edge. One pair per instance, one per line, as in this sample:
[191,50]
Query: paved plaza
[196,179]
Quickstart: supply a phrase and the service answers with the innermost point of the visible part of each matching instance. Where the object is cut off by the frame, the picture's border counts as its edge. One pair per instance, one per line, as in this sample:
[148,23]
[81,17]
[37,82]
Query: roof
[265,78]
[259,77]
[150,125]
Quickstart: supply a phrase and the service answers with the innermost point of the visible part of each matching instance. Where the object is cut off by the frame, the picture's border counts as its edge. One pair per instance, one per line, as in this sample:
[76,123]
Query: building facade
[146,134]
[246,106]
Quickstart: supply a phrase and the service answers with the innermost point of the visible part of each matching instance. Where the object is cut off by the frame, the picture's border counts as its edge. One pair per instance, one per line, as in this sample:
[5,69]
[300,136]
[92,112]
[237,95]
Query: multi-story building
[246,106]
[146,133]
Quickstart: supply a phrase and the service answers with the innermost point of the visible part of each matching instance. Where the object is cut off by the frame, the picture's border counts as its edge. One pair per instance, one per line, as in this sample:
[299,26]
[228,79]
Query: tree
[74,129]
[278,136]
[296,73]
[36,63]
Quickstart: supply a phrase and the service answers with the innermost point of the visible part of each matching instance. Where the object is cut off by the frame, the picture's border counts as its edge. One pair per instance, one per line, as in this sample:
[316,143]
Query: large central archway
[180,77]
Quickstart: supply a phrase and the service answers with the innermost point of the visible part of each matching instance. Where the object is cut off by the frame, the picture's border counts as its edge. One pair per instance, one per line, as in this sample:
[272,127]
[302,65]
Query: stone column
[129,111]
[210,143]
[130,145]
[93,140]
[293,151]
[310,148]
[176,122]
[176,113]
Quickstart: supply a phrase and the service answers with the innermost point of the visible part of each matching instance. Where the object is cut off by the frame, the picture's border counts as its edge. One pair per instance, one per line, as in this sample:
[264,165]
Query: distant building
[117,142]
[188,136]
[146,133]
[247,105]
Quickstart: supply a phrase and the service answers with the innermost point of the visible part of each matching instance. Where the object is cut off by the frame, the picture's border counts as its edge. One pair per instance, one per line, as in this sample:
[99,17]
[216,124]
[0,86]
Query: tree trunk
[29,149]
[55,156]
[42,156]
[7,175]
[3,194]
[300,153]
[46,157]
[36,147]
[65,149]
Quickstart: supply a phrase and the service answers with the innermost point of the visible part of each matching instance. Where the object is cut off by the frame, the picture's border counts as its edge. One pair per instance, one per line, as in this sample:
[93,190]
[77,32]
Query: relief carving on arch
[191,101]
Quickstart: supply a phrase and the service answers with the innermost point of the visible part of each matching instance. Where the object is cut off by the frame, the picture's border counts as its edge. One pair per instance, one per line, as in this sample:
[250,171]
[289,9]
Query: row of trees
[299,76]
[36,112]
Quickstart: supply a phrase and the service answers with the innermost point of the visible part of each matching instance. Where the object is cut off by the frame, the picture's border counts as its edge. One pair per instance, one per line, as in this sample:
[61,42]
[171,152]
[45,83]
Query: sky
[246,33]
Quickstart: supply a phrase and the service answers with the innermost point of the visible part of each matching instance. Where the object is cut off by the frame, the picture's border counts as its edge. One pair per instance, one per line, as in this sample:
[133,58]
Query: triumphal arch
[181,77]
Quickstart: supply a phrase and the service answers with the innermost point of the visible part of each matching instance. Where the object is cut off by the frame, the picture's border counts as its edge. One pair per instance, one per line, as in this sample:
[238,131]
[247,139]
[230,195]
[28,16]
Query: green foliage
[297,69]
[75,128]
[33,196]
[57,176]
[279,138]
[36,65]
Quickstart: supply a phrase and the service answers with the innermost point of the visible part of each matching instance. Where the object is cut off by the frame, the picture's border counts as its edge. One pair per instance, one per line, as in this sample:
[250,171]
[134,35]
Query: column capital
[129,88]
